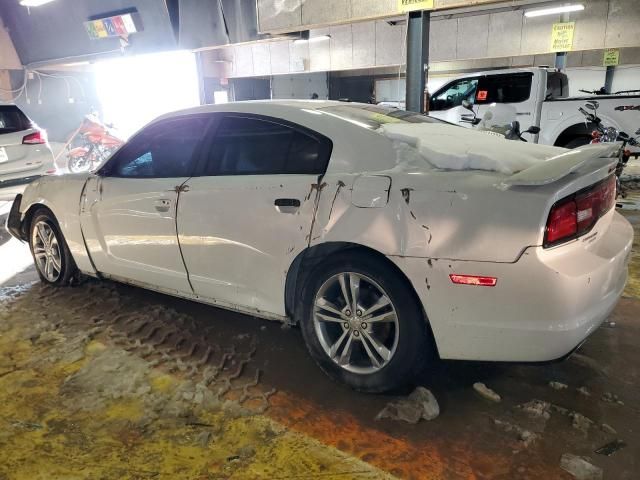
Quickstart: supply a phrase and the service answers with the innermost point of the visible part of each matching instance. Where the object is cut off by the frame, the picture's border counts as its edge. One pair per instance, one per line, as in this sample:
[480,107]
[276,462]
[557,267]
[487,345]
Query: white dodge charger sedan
[389,237]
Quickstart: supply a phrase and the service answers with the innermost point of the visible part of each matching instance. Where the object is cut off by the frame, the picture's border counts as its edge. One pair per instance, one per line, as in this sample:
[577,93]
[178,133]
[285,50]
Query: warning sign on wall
[562,36]
[611,57]
[410,5]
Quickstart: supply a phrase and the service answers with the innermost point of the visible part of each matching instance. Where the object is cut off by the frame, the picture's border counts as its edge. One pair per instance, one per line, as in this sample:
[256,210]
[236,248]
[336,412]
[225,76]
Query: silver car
[24,150]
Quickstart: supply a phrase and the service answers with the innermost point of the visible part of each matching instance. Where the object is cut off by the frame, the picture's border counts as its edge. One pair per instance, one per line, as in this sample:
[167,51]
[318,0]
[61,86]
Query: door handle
[162,205]
[287,205]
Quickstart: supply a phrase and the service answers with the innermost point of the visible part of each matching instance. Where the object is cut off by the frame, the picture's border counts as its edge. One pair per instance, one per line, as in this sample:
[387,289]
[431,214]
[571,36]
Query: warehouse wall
[8,61]
[277,16]
[505,35]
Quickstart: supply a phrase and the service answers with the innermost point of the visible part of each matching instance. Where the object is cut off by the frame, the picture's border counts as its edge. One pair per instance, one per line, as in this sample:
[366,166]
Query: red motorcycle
[98,142]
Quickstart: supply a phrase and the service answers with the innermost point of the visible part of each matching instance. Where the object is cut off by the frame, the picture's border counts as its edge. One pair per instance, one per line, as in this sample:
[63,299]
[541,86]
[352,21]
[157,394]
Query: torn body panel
[62,196]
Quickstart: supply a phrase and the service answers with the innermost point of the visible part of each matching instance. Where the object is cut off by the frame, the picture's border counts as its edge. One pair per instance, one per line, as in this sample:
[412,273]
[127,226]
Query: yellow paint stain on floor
[46,434]
[633,281]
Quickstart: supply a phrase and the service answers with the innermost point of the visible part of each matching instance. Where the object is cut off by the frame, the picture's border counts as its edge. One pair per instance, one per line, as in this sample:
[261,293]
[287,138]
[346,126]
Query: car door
[128,211]
[446,103]
[508,89]
[249,212]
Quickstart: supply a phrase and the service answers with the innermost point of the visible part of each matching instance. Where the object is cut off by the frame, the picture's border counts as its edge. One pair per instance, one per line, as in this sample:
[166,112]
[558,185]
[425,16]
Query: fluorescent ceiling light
[576,7]
[319,38]
[34,3]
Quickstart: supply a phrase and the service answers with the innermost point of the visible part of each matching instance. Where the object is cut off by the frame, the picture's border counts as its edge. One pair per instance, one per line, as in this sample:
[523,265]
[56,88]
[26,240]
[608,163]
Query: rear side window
[511,88]
[164,149]
[252,146]
[13,120]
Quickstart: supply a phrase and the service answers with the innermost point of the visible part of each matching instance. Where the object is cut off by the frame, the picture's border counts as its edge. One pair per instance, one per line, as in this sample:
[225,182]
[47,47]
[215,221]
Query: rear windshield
[12,119]
[374,116]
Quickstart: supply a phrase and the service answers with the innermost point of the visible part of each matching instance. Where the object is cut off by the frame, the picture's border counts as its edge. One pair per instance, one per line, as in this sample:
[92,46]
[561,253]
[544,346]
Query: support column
[608,79]
[417,59]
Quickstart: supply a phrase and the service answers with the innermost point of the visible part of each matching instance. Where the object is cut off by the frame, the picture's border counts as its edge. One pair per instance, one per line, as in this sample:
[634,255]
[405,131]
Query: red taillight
[35,138]
[562,222]
[477,280]
[576,215]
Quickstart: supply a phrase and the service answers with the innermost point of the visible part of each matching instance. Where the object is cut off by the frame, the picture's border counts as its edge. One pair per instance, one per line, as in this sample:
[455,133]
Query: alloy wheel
[356,322]
[46,251]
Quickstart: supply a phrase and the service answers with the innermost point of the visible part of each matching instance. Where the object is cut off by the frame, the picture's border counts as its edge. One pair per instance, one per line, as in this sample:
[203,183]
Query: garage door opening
[135,90]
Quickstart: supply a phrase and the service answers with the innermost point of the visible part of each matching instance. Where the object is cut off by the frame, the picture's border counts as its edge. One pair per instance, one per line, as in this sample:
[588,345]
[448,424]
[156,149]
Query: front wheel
[363,324]
[51,255]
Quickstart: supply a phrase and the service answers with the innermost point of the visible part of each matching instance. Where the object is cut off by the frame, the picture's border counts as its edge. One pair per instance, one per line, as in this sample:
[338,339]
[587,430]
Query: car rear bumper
[543,305]
[14,220]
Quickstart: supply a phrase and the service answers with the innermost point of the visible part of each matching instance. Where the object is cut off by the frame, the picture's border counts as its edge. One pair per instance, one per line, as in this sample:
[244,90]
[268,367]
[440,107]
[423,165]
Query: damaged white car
[389,237]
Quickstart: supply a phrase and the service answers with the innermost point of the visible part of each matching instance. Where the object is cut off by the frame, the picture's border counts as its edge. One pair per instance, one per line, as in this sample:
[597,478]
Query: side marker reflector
[473,280]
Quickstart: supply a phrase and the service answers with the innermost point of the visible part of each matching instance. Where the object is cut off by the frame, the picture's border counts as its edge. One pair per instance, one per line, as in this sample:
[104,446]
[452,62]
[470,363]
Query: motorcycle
[604,134]
[497,120]
[98,142]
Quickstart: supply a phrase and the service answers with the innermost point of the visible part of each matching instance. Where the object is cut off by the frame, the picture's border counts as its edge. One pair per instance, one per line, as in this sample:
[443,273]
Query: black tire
[68,271]
[578,142]
[413,345]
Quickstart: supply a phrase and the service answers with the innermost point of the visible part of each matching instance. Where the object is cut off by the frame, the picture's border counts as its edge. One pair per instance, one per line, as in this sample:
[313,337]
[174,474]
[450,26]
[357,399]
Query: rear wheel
[362,323]
[51,255]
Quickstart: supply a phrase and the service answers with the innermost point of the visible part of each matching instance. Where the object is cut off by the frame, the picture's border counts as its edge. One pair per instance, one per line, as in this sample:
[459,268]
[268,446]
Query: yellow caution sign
[611,57]
[562,36]
[410,5]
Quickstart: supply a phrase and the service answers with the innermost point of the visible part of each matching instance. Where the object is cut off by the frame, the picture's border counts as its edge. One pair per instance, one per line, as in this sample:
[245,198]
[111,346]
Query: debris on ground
[584,391]
[527,437]
[580,422]
[608,429]
[420,404]
[537,408]
[580,467]
[611,398]
[558,385]
[611,448]
[486,392]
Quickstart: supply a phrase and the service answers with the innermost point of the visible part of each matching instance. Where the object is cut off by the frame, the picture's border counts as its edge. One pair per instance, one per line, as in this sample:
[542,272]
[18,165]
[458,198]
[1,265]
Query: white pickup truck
[539,97]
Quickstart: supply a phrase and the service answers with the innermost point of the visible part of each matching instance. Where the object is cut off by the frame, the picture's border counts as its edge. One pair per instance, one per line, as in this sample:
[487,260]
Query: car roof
[261,106]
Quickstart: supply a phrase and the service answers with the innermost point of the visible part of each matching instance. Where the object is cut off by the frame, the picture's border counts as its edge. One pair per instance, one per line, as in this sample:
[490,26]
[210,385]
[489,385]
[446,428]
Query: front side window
[510,88]
[453,95]
[164,149]
[251,146]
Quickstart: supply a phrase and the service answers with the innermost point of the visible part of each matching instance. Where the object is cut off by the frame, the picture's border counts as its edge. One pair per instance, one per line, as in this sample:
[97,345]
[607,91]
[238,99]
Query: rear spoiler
[560,166]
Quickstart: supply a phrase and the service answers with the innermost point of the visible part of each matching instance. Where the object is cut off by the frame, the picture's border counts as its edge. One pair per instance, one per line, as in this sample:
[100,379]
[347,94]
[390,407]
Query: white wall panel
[505,32]
[389,44]
[472,37]
[279,14]
[364,44]
[442,40]
[279,55]
[316,12]
[243,60]
[320,51]
[261,59]
[341,45]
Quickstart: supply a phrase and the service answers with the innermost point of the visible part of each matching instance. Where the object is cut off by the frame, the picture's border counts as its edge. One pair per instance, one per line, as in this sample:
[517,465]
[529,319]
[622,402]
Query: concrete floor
[108,381]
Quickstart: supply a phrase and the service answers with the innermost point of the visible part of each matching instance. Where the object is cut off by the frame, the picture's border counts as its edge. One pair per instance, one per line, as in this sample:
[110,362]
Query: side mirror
[467,104]
[592,105]
[515,126]
[533,130]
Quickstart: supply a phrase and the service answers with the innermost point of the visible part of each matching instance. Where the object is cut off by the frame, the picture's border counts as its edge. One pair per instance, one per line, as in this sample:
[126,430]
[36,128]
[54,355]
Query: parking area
[102,380]
[319,239]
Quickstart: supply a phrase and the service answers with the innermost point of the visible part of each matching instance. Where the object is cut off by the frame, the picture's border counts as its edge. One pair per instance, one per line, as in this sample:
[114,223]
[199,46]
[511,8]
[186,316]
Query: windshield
[374,116]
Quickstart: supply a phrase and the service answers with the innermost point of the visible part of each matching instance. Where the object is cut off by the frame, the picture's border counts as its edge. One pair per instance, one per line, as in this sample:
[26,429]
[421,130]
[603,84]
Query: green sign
[611,57]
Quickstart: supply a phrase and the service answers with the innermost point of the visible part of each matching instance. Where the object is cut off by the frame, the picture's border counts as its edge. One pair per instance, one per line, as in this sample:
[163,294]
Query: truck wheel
[576,142]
